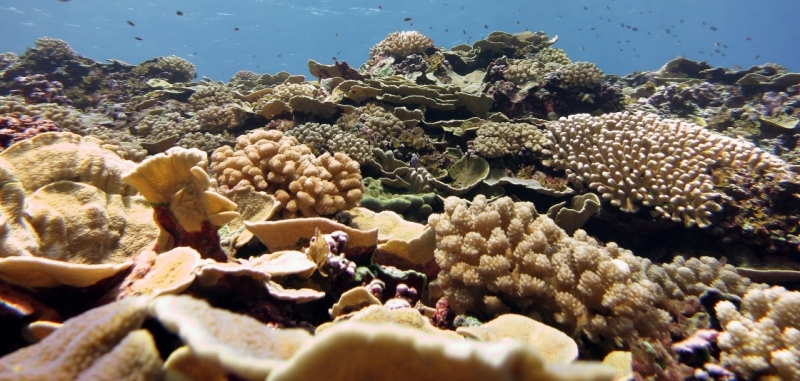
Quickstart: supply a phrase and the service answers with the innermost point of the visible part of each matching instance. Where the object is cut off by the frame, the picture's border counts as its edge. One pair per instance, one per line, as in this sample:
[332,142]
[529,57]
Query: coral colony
[492,211]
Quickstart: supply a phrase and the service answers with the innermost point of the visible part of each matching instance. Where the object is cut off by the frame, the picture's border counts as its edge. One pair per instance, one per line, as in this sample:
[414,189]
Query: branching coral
[498,139]
[584,74]
[633,159]
[402,44]
[304,184]
[286,91]
[525,70]
[552,55]
[763,338]
[501,256]
[177,69]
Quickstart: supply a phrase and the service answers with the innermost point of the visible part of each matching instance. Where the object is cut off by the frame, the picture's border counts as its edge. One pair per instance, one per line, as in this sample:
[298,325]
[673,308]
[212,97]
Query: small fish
[561,17]
[723,54]
[485,26]
[635,29]
[607,7]
[412,24]
[254,56]
[464,31]
[648,32]
[279,55]
[725,46]
[668,31]
[517,22]
[447,30]
[716,44]
[702,52]
[579,29]
[704,23]
[179,13]
[584,8]
[581,48]
[64,1]
[407,19]
[681,21]
[380,7]
[749,38]
[717,50]
[335,59]
[138,38]
[430,27]
[593,28]
[131,23]
[714,28]
[622,25]
[236,29]
[757,57]
[337,34]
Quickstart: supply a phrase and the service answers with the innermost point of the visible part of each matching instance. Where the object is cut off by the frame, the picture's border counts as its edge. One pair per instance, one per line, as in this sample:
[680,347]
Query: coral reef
[154,226]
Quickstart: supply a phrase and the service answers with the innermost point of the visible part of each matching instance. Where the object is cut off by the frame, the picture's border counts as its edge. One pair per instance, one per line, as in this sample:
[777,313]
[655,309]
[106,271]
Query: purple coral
[37,89]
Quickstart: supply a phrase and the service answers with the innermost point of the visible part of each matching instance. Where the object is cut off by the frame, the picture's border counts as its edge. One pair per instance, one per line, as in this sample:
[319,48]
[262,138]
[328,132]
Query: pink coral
[14,129]
[37,89]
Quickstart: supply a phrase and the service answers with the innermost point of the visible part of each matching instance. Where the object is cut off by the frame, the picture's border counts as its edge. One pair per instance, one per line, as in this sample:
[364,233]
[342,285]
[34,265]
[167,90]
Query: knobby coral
[304,184]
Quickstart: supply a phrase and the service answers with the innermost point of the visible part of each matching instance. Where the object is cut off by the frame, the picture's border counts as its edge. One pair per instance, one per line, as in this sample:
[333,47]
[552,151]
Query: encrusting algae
[491,211]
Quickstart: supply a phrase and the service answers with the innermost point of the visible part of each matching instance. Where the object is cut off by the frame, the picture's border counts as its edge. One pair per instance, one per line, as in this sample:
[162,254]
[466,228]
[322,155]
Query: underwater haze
[267,36]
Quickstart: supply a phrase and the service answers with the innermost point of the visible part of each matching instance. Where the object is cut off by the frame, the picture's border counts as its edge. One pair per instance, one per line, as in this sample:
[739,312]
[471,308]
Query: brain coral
[303,183]
[402,44]
[632,159]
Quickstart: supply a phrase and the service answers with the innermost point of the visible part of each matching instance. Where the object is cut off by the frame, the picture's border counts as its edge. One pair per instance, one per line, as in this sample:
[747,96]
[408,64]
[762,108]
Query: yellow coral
[178,177]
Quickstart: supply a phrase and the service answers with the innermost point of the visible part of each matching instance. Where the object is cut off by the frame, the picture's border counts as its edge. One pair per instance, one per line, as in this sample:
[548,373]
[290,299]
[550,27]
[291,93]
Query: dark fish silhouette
[131,23]
[485,26]
[749,38]
[138,38]
[668,31]
[179,13]
[236,29]
[407,19]
[584,8]
[713,28]
[380,7]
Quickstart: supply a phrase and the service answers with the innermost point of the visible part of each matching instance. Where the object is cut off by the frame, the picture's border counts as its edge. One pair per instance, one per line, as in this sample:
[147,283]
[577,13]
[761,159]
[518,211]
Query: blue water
[282,35]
